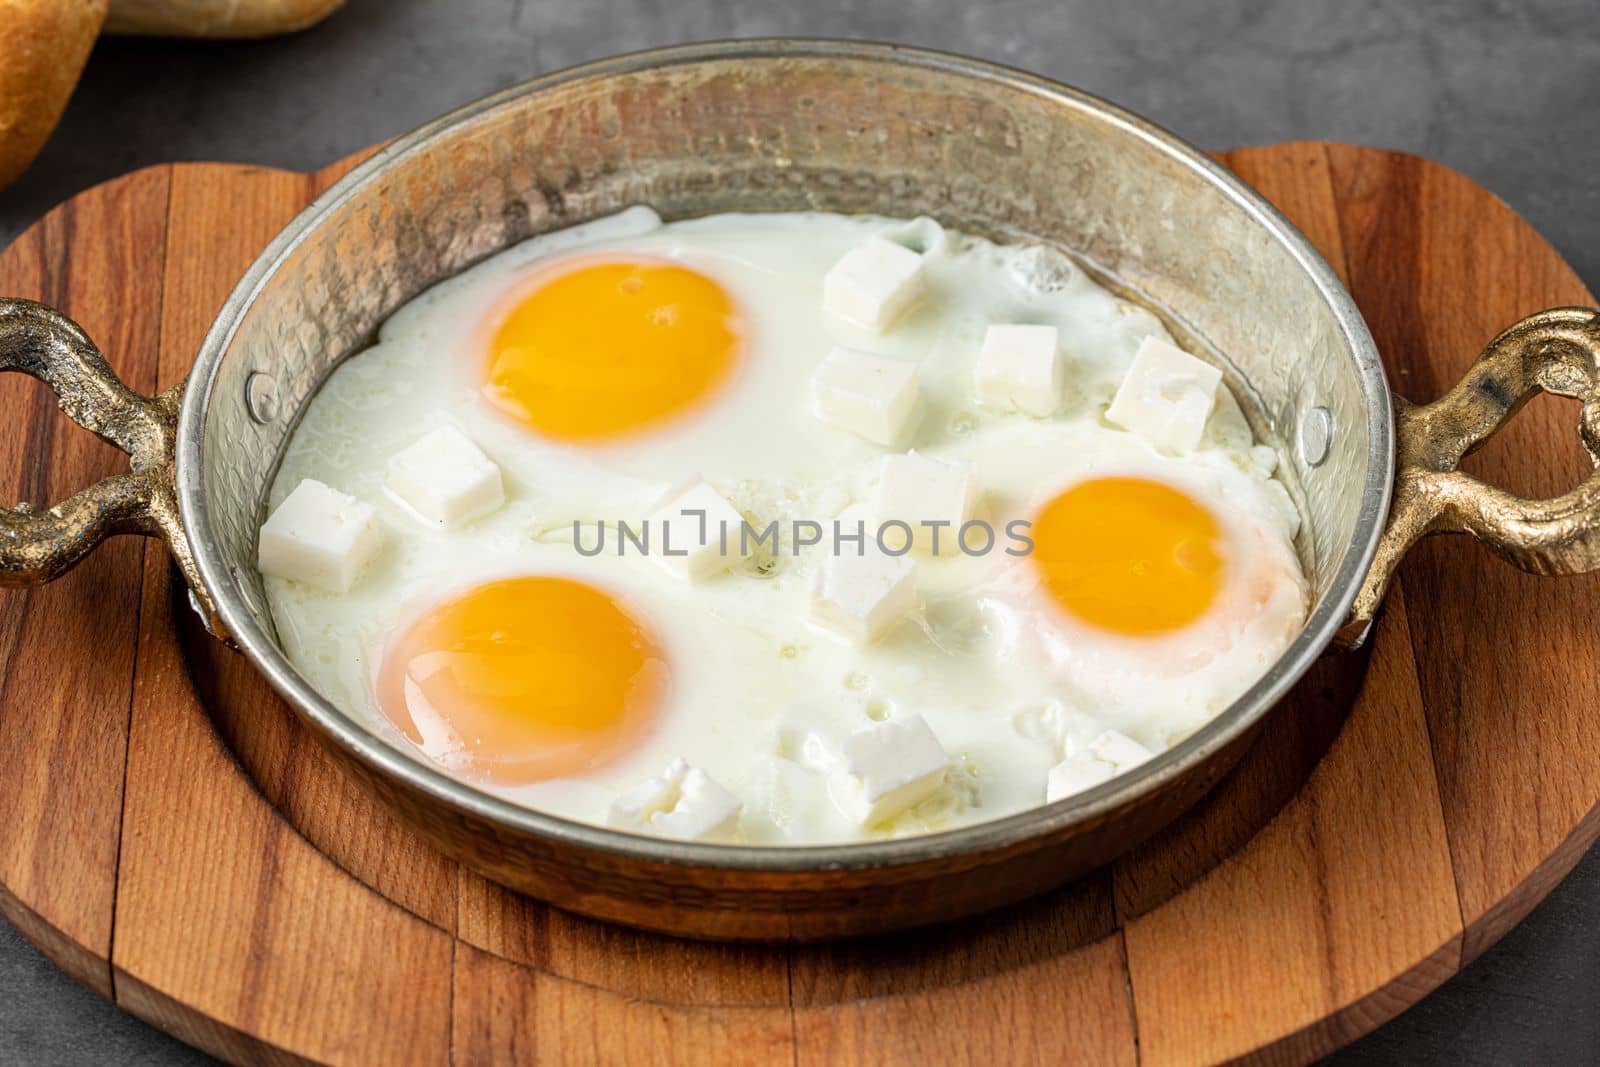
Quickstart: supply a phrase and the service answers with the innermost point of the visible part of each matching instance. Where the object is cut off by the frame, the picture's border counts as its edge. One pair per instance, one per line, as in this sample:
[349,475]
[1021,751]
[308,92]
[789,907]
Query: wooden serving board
[173,839]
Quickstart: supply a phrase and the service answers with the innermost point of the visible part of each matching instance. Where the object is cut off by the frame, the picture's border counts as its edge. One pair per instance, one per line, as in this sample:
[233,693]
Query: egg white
[759,698]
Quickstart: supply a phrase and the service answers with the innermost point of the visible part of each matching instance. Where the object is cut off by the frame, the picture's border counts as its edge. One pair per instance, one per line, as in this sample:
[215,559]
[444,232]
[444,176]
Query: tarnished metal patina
[789,126]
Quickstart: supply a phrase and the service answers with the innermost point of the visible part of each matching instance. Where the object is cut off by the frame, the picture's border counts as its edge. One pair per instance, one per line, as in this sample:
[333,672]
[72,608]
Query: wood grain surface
[176,841]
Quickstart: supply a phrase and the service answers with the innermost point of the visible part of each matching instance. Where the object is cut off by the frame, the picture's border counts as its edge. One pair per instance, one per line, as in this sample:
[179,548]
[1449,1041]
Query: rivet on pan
[1316,436]
[261,397]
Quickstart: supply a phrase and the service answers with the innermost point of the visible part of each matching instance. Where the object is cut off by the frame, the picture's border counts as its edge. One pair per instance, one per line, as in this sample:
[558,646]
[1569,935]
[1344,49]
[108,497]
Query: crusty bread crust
[46,43]
[215,18]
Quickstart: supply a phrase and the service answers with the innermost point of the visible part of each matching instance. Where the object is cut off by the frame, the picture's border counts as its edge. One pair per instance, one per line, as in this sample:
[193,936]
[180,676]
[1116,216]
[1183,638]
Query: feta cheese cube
[1021,369]
[445,479]
[684,803]
[870,396]
[1109,754]
[697,533]
[917,489]
[319,536]
[860,597]
[1076,774]
[887,769]
[873,283]
[1167,396]
[1119,750]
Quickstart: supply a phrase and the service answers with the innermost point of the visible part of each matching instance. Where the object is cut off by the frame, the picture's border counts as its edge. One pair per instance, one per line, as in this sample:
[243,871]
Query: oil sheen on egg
[603,366]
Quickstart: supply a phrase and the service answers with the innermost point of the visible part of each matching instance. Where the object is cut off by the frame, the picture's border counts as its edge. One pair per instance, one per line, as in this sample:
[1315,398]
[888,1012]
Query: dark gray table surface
[1503,90]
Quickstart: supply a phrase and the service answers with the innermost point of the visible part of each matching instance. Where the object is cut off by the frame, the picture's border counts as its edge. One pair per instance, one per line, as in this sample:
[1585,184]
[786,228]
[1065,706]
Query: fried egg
[539,652]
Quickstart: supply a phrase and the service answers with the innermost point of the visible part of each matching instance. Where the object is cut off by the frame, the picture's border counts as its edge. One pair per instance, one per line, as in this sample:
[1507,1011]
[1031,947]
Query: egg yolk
[611,348]
[1129,555]
[524,679]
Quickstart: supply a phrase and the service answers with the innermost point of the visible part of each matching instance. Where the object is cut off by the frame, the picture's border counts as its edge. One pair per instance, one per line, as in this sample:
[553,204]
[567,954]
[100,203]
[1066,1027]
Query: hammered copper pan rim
[381,758]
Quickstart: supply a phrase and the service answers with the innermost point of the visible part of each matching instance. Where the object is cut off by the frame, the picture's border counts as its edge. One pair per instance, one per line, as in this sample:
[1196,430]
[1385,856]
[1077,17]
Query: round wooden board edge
[1349,1022]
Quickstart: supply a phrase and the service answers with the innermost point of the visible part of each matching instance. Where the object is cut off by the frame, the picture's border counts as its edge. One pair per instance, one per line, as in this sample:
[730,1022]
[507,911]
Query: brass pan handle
[40,545]
[1556,351]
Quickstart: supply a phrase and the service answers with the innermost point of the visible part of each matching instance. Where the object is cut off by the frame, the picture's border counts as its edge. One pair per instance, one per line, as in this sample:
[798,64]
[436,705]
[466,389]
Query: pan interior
[797,126]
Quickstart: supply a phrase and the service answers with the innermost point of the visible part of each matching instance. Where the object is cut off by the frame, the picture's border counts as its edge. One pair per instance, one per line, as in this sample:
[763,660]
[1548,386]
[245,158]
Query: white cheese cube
[916,490]
[445,478]
[873,283]
[1167,396]
[319,536]
[860,597]
[1119,750]
[697,533]
[1020,369]
[870,396]
[888,768]
[683,803]
[1109,754]
[1076,774]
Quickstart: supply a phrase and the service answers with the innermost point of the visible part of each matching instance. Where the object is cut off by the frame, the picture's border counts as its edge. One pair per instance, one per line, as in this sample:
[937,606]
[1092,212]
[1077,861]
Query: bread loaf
[215,18]
[43,46]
